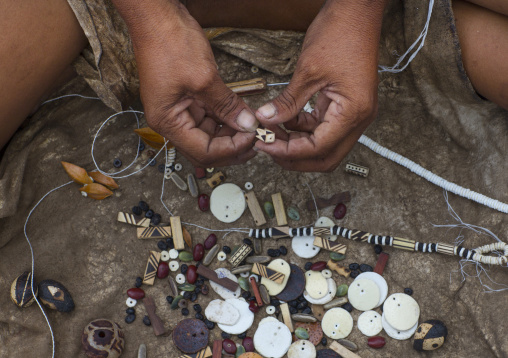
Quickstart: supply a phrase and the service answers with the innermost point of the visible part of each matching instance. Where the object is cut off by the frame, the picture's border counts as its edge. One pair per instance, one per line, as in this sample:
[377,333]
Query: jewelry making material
[157,325]
[240,255]
[265,135]
[255,208]
[103,338]
[280,212]
[155,232]
[131,219]
[151,267]
[214,277]
[268,273]
[217,179]
[176,229]
[227,202]
[356,169]
[286,316]
[21,290]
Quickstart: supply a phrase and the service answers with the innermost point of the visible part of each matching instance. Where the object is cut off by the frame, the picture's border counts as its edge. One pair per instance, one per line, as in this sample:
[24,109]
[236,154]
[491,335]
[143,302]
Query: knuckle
[226,105]
[287,100]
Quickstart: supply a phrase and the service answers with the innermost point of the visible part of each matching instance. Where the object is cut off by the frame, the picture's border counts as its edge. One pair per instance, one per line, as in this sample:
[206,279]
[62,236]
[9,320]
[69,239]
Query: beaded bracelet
[396,242]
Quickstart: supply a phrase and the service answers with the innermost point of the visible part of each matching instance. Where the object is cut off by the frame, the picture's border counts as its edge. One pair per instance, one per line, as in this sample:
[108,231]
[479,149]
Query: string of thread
[314,199]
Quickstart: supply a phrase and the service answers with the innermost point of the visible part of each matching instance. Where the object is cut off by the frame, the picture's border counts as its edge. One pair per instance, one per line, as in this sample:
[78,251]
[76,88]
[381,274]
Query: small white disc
[227,202]
[245,274]
[180,278]
[326,273]
[363,294]
[164,256]
[249,185]
[401,311]
[178,167]
[174,265]
[256,277]
[270,309]
[246,317]
[370,323]
[380,282]
[221,256]
[273,339]
[332,290]
[323,221]
[396,333]
[210,170]
[303,246]
[173,254]
[131,302]
[337,323]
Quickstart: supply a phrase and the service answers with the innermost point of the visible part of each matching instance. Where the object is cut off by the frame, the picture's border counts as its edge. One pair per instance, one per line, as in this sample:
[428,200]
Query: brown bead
[248,344]
[229,346]
[376,342]
[192,275]
[340,211]
[163,270]
[198,253]
[318,266]
[205,289]
[103,338]
[210,241]
[204,202]
[135,293]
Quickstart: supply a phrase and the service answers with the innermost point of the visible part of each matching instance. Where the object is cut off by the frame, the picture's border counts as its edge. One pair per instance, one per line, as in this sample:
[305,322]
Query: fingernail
[247,121]
[267,111]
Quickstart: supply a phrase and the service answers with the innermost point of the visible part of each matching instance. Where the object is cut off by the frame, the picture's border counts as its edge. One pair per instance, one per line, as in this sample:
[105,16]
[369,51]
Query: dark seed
[161,168]
[170,243]
[130,310]
[354,266]
[283,250]
[169,299]
[162,245]
[293,310]
[301,298]
[307,310]
[156,219]
[149,213]
[226,249]
[225,335]
[146,321]
[141,146]
[273,253]
[324,341]
[144,206]
[229,346]
[139,282]
[197,307]
[378,249]
[210,241]
[184,268]
[136,210]
[302,305]
[340,211]
[408,291]
[130,318]
[199,316]
[246,294]
[242,335]
[275,302]
[307,266]
[247,241]
[366,268]
[117,163]
[204,202]
[187,295]
[209,324]
[185,311]
[293,303]
[348,307]
[354,274]
[194,297]
[205,290]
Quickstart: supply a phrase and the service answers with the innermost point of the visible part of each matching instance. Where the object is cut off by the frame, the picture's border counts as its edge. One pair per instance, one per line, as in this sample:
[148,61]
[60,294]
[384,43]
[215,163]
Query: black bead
[307,310]
[408,291]
[194,297]
[136,210]
[199,283]
[185,311]
[283,250]
[378,249]
[242,335]
[169,299]
[197,307]
[146,321]
[293,310]
[187,295]
[225,335]
[354,266]
[307,266]
[156,219]
[301,298]
[209,324]
[247,241]
[162,245]
[199,316]
[152,162]
[246,294]
[139,282]
[354,274]
[226,249]
[273,253]
[130,318]
[117,163]
[170,243]
[144,206]
[161,168]
[184,268]
[366,268]
[149,213]
[324,341]
[293,303]
[302,305]
[130,310]
[348,307]
[275,302]
[197,290]
[141,146]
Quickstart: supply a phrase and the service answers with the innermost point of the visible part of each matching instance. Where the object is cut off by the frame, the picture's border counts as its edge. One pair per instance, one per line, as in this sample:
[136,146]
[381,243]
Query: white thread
[33,264]
[433,178]
[314,199]
[68,95]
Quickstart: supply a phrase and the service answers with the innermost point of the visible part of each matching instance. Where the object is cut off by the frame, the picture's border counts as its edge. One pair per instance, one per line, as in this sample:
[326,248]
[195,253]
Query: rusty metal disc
[190,335]
[295,286]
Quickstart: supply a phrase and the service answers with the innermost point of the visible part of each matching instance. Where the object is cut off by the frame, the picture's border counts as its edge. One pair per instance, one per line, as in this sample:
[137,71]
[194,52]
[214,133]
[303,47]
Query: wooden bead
[55,296]
[103,338]
[21,290]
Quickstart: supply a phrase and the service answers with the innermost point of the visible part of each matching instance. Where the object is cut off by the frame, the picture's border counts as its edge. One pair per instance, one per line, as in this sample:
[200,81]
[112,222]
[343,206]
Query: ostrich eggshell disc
[303,246]
[401,311]
[323,221]
[302,349]
[363,294]
[268,319]
[245,321]
[370,323]
[222,312]
[396,333]
[330,294]
[380,282]
[281,266]
[316,284]
[227,202]
[223,291]
[337,323]
[272,339]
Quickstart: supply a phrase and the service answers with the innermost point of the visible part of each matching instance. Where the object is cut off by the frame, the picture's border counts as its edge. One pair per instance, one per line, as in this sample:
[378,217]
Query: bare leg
[38,42]
[483,36]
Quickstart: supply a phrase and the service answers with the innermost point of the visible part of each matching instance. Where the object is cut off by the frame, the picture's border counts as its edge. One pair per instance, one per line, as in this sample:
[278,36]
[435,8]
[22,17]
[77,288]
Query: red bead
[192,274]
[204,202]
[376,342]
[163,270]
[253,306]
[135,293]
[229,346]
[318,266]
[248,344]
[198,253]
[210,241]
[340,211]
[200,172]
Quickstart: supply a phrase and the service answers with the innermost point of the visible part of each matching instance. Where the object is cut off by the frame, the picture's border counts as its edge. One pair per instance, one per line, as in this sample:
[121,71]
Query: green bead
[293,213]
[234,250]
[269,210]
[244,283]
[342,290]
[174,304]
[185,256]
[187,287]
[335,256]
[239,351]
[302,333]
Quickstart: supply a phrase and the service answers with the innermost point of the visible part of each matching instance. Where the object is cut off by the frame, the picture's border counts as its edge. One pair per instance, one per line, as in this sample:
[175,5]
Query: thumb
[289,103]
[228,108]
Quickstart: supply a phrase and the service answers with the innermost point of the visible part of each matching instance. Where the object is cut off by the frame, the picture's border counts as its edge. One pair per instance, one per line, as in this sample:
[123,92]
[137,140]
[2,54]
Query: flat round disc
[315,284]
[397,333]
[194,328]
[370,323]
[330,295]
[303,246]
[363,294]
[245,321]
[380,282]
[401,311]
[295,285]
[227,202]
[337,323]
[272,339]
[302,349]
